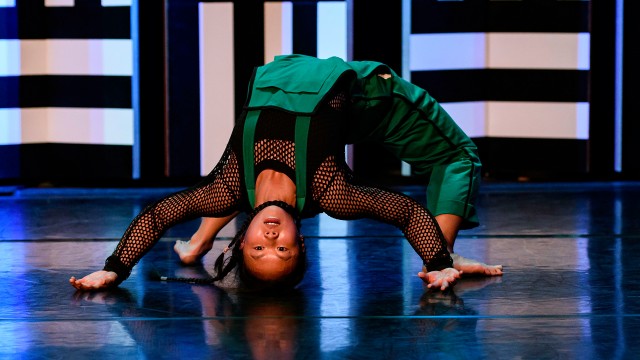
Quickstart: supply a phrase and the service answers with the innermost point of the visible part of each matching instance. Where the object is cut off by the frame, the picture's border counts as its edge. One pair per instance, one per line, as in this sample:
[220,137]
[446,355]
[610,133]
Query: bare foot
[473,267]
[95,281]
[191,253]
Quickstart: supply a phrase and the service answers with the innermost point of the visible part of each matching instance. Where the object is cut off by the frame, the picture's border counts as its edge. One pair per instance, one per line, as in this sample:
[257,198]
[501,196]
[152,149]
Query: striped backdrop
[514,74]
[65,89]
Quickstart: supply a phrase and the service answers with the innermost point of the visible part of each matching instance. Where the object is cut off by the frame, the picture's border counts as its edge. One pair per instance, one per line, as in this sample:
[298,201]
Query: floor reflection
[570,287]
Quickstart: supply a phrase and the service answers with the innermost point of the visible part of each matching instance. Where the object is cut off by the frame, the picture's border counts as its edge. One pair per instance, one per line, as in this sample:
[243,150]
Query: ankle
[200,244]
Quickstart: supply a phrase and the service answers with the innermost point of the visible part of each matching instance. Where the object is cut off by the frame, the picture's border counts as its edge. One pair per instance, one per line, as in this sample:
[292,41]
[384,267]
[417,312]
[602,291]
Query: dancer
[285,160]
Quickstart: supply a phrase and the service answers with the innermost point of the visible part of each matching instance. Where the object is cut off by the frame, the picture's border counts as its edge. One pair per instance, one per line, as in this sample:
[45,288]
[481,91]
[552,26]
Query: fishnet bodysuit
[333,188]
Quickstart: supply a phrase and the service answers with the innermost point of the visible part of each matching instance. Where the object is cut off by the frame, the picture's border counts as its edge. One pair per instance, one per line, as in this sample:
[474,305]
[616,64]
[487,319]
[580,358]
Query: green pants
[416,129]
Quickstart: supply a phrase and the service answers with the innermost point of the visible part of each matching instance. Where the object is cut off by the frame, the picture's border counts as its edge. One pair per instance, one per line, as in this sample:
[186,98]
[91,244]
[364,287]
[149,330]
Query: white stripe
[470,116]
[278,29]
[10,130]
[447,51]
[54,3]
[9,57]
[332,29]
[66,57]
[550,120]
[217,109]
[499,50]
[66,125]
[537,120]
[115,2]
[7,3]
[538,51]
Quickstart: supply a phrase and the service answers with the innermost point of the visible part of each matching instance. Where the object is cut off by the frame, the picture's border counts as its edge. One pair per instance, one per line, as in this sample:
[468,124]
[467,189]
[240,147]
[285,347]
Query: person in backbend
[285,161]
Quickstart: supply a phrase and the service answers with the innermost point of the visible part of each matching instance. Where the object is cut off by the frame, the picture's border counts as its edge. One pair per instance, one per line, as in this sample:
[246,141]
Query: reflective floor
[571,288]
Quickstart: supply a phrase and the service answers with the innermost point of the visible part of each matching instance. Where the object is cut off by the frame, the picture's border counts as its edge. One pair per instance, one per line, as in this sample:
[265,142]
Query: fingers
[82,284]
[78,284]
[443,284]
[440,279]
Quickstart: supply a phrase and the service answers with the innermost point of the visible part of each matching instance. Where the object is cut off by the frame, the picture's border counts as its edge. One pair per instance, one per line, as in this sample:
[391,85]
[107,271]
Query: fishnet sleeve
[216,196]
[345,200]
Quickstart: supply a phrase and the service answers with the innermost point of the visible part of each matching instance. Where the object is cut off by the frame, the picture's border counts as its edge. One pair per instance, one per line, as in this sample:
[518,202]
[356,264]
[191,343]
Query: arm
[216,196]
[345,200]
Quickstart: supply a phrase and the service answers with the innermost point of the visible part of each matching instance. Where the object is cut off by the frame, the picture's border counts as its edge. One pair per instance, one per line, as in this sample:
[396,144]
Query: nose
[271,234]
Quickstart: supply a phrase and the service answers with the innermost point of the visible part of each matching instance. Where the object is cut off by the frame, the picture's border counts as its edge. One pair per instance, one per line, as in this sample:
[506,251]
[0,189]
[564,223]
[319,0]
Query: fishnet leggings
[343,199]
[334,191]
[216,196]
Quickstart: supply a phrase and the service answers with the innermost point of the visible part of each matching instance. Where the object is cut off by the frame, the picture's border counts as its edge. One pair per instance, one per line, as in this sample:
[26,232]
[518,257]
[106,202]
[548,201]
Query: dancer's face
[270,247]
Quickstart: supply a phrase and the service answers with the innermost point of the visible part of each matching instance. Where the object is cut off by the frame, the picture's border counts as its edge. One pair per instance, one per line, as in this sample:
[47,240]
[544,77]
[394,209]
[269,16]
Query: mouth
[272,221]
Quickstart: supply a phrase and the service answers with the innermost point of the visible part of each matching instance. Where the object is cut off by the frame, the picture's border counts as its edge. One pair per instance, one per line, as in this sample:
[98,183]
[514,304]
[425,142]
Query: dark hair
[247,280]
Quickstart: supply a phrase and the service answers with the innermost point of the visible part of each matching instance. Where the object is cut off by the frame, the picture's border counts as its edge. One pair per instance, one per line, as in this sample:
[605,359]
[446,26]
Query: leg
[190,252]
[450,224]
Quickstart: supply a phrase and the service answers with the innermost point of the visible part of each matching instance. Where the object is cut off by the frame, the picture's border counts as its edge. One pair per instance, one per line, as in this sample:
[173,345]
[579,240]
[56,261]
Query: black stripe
[432,16]
[305,28]
[377,32]
[248,33]
[10,164]
[151,88]
[509,158]
[630,109]
[504,84]
[65,91]
[184,79]
[602,87]
[8,23]
[9,91]
[30,19]
[74,162]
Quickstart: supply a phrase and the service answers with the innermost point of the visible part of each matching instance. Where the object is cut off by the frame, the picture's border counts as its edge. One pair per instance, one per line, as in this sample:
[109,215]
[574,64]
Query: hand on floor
[95,281]
[442,279]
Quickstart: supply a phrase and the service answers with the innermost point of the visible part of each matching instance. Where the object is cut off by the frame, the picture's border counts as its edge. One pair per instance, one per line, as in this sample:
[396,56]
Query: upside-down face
[270,247]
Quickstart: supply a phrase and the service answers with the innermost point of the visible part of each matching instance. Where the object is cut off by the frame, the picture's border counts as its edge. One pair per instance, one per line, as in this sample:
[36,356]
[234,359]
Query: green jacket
[401,116]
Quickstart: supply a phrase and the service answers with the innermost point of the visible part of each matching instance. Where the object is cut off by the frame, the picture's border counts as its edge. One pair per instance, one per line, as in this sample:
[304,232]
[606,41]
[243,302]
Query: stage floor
[571,288]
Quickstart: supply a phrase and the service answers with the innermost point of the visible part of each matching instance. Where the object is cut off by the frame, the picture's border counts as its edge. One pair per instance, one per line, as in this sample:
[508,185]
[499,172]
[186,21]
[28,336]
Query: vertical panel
[332,29]
[278,29]
[602,88]
[305,28]
[249,52]
[216,81]
[183,129]
[149,88]
[377,36]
